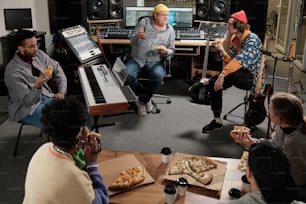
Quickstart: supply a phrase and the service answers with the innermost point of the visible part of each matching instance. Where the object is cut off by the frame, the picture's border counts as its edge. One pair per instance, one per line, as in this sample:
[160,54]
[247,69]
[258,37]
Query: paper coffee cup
[170,194]
[165,154]
[246,186]
[182,185]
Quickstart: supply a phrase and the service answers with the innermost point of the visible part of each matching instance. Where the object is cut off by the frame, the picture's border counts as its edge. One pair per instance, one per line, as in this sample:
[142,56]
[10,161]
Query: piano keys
[102,93]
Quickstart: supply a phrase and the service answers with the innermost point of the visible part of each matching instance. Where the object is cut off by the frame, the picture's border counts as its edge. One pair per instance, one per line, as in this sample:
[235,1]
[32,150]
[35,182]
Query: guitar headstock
[291,53]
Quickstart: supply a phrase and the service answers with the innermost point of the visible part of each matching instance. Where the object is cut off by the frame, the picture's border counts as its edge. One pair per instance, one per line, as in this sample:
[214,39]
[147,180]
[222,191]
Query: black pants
[242,79]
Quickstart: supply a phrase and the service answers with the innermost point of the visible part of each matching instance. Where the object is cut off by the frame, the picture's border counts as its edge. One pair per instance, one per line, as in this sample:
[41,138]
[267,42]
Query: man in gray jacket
[26,80]
[152,40]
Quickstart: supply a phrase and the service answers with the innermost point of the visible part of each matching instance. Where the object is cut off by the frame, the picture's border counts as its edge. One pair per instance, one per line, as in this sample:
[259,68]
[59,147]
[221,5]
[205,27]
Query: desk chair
[167,71]
[19,135]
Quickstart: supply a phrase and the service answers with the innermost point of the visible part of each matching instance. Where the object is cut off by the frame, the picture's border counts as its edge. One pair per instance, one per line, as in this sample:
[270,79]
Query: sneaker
[141,109]
[149,106]
[213,125]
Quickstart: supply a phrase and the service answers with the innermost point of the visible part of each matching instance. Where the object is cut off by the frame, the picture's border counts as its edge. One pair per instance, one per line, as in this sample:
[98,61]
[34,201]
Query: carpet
[3,117]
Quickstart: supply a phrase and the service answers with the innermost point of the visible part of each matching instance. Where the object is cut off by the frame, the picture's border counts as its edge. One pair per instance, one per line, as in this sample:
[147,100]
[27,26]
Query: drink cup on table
[170,194]
[165,153]
[182,185]
[246,186]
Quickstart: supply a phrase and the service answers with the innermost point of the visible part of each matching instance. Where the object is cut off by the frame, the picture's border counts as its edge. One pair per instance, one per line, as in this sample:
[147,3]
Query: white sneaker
[141,109]
[149,106]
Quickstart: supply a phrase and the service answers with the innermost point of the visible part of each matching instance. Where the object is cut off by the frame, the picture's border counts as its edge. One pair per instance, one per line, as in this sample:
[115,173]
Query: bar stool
[19,135]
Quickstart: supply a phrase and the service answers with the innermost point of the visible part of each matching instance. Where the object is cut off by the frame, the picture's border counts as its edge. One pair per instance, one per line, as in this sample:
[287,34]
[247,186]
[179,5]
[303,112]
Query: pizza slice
[49,70]
[243,161]
[128,178]
[202,177]
[180,167]
[200,164]
[238,130]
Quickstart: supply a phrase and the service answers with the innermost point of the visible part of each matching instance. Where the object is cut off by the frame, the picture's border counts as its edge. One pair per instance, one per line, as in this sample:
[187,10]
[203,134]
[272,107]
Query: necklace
[62,152]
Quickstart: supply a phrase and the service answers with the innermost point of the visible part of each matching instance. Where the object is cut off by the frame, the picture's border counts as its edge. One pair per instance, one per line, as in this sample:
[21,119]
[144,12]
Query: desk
[182,48]
[153,193]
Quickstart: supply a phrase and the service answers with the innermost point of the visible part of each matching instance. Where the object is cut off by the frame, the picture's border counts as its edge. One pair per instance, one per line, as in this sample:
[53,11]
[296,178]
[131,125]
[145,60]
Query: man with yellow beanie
[152,40]
[241,65]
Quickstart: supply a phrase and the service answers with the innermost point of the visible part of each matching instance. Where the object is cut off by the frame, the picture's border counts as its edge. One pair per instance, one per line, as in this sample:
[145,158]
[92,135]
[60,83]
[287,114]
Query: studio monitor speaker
[219,10]
[63,14]
[202,10]
[115,9]
[97,9]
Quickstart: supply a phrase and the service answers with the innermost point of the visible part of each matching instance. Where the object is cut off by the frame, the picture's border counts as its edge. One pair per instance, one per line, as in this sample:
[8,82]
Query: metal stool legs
[19,135]
[18,138]
[245,103]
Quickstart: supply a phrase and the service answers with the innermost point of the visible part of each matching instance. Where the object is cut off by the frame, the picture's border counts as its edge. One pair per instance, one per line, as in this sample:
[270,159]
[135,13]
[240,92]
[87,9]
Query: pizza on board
[128,178]
[243,161]
[202,177]
[180,167]
[195,167]
[200,164]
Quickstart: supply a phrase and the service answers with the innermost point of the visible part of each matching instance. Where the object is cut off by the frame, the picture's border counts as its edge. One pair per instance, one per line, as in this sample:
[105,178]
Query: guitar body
[198,91]
[256,112]
[200,94]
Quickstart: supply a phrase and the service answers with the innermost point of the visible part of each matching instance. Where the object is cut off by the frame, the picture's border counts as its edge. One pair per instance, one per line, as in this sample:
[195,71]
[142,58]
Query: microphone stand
[272,88]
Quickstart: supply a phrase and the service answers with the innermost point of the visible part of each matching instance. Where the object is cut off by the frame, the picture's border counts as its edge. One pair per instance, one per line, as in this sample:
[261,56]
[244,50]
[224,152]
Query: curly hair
[289,108]
[62,120]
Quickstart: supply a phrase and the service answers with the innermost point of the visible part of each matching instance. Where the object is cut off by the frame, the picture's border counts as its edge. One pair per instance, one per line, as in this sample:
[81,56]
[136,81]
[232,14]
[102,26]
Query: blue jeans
[34,119]
[154,71]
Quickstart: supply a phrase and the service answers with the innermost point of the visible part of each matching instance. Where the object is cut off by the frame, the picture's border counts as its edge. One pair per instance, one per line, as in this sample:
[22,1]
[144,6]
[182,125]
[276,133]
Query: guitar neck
[291,53]
[205,61]
[262,64]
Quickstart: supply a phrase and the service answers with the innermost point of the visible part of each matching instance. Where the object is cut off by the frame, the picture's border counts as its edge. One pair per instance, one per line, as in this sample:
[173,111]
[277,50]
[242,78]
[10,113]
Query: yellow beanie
[161,8]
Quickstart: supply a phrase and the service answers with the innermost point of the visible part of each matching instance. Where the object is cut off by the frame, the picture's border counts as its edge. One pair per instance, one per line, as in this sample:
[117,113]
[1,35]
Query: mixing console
[115,33]
[214,30]
[210,30]
[189,34]
[81,43]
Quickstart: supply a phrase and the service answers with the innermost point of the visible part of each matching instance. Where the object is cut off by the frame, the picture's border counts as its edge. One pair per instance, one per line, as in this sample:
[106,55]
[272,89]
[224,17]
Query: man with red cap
[152,40]
[241,64]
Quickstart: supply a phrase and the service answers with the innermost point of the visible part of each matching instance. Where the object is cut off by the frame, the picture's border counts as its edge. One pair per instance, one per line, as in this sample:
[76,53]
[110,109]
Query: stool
[19,134]
[245,103]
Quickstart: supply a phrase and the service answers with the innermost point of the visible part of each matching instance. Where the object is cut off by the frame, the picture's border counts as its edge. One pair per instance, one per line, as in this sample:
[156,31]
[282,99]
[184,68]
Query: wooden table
[153,193]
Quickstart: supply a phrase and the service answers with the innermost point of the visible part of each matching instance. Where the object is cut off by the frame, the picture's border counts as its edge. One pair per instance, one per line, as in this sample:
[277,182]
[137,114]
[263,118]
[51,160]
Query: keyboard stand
[96,126]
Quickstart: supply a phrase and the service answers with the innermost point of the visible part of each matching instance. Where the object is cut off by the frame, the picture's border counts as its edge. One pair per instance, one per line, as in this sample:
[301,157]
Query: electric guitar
[198,91]
[291,58]
[256,112]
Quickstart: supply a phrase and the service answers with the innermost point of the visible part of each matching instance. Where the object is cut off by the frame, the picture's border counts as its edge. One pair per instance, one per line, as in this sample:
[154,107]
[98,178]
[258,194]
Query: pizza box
[111,168]
[218,173]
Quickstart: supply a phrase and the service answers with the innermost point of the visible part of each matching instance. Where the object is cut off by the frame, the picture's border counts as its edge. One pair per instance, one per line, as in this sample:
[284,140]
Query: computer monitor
[179,17]
[17,19]
[132,14]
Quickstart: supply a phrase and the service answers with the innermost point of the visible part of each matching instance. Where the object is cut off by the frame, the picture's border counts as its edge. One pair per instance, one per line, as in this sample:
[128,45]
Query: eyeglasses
[32,47]
[163,14]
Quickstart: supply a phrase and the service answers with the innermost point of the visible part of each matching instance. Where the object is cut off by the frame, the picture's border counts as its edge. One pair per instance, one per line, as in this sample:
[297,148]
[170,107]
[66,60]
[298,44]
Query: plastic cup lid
[165,150]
